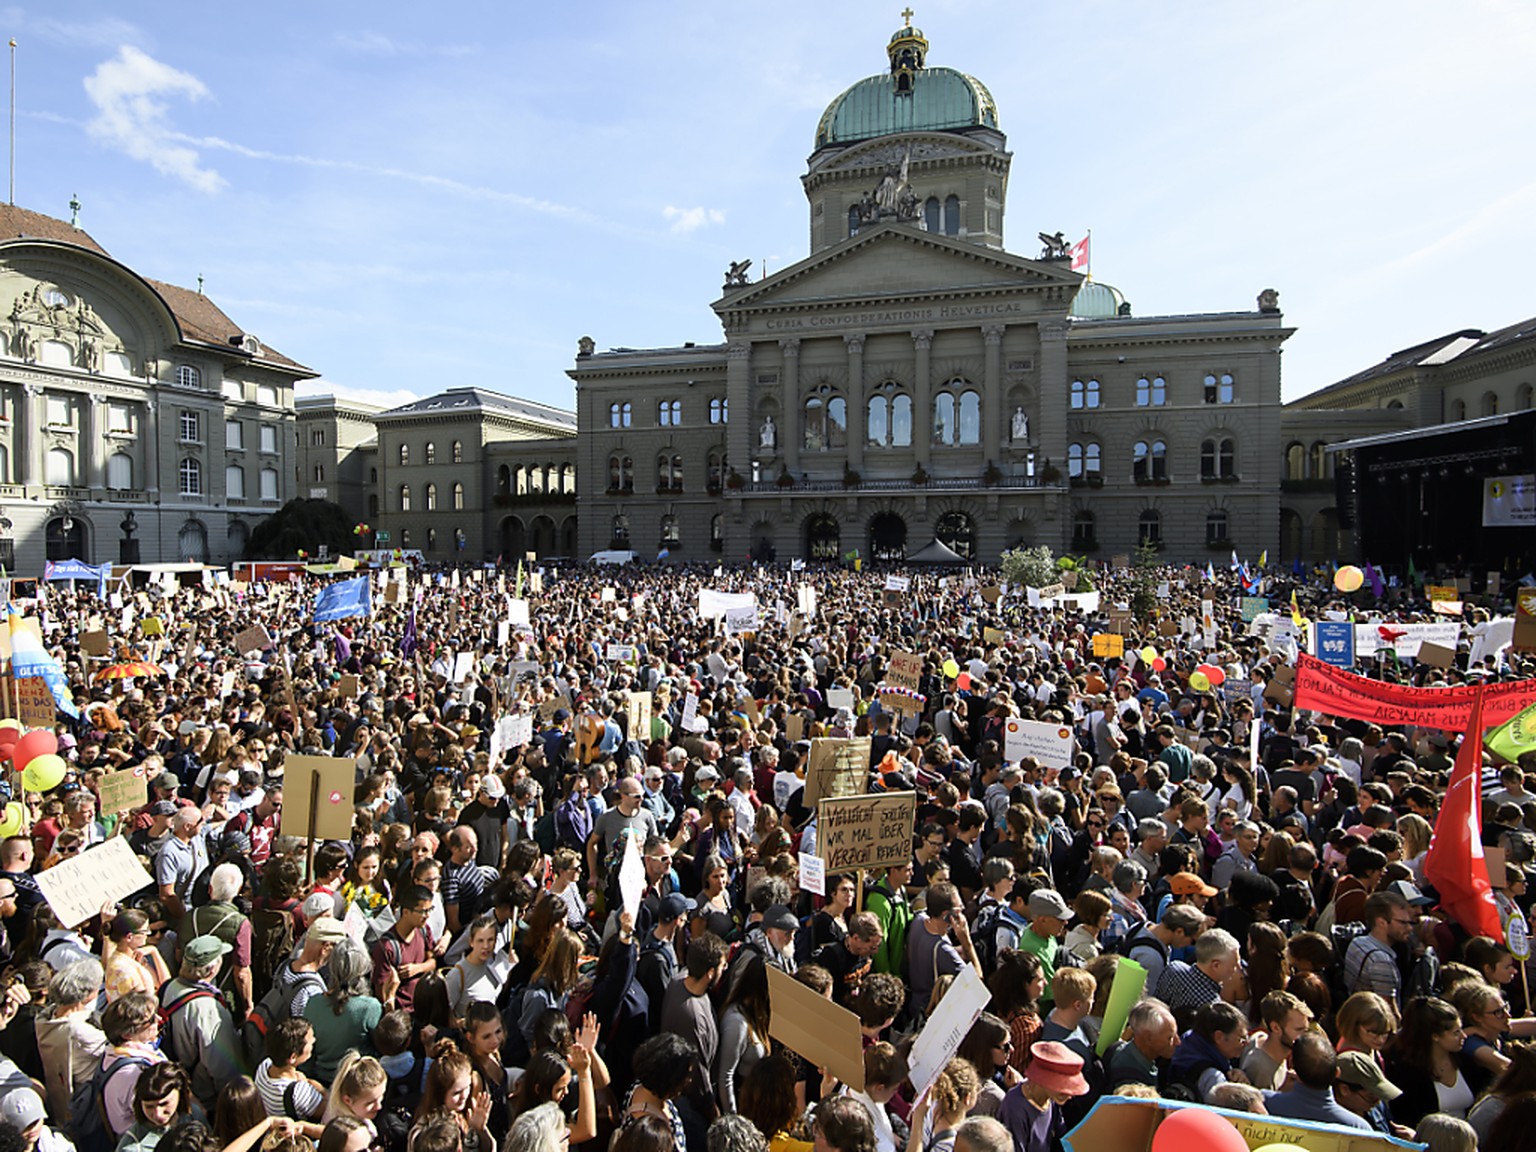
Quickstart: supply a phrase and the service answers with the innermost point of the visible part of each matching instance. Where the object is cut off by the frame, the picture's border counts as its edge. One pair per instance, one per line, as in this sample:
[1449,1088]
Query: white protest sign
[519,730]
[690,712]
[356,924]
[839,698]
[503,633]
[631,877]
[805,597]
[813,874]
[77,888]
[739,620]
[1050,744]
[621,653]
[898,583]
[940,1038]
[517,612]
[713,605]
[463,666]
[1368,637]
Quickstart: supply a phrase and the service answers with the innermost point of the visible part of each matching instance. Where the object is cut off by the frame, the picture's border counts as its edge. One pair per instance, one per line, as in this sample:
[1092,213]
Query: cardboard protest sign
[810,1025]
[1441,592]
[95,643]
[991,636]
[1050,744]
[122,791]
[347,687]
[254,639]
[905,669]
[1493,859]
[794,727]
[1121,620]
[992,594]
[838,767]
[1436,655]
[589,737]
[1107,645]
[1250,607]
[1524,635]
[638,706]
[37,709]
[873,831]
[1129,1124]
[1280,690]
[77,888]
[942,1035]
[1120,560]
[152,626]
[337,776]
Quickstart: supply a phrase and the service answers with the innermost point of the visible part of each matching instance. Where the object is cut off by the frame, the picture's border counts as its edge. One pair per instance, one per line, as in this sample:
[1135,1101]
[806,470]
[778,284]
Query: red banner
[1323,688]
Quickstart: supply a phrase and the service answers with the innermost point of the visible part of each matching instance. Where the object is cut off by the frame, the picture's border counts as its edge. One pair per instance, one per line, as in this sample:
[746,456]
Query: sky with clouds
[409,198]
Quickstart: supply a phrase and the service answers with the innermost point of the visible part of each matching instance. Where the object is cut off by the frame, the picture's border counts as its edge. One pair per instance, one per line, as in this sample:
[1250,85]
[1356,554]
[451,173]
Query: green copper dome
[1096,301]
[940,99]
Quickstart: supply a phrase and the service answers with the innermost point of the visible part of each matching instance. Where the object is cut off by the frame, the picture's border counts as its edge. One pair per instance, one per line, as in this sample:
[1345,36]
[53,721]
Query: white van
[614,556]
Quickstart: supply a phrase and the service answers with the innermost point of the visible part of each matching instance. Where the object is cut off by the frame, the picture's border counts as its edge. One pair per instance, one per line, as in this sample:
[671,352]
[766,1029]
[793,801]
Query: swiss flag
[1080,254]
[1455,864]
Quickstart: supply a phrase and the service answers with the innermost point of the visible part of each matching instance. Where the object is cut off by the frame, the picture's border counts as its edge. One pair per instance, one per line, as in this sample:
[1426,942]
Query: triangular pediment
[894,262]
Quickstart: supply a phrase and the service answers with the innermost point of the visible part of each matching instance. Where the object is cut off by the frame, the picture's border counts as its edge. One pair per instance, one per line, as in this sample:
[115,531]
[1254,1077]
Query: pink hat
[1056,1068]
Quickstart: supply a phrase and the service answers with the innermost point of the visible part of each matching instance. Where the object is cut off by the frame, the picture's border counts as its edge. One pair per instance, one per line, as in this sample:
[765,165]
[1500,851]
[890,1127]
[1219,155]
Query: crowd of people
[462,974]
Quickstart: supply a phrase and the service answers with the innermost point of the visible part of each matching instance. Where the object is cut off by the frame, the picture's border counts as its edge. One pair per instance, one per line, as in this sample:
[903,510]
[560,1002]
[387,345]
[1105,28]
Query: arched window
[405,497]
[943,418]
[568,479]
[1149,527]
[458,497]
[61,467]
[234,480]
[504,480]
[535,478]
[120,474]
[837,422]
[619,535]
[826,420]
[957,415]
[901,421]
[621,474]
[1318,461]
[669,473]
[431,497]
[1219,388]
[719,410]
[1084,461]
[970,417]
[1216,527]
[669,413]
[1091,394]
[1458,409]
[430,454]
[458,451]
[877,420]
[1149,462]
[189,477]
[236,537]
[931,215]
[670,534]
[1077,395]
[620,415]
[373,475]
[1084,533]
[405,455]
[952,215]
[192,542]
[1523,398]
[1295,461]
[1143,392]
[1218,459]
[269,484]
[1490,404]
[718,469]
[188,376]
[853,220]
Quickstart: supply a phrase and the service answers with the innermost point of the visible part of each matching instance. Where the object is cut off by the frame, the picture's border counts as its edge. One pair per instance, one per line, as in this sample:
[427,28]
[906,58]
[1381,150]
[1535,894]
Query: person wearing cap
[772,938]
[930,952]
[1048,914]
[656,966]
[1315,1063]
[302,977]
[21,1109]
[200,1034]
[1032,1111]
[488,815]
[148,840]
[1363,1088]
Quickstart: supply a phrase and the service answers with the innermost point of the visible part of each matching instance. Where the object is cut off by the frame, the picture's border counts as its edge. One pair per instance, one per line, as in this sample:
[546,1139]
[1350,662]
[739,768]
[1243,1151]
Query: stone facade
[333,450]
[129,405]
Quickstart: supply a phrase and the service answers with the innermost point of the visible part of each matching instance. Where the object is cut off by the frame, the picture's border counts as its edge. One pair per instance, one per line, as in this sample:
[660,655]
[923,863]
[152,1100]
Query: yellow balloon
[12,822]
[1149,653]
[1199,681]
[951,669]
[1348,578]
[44,772]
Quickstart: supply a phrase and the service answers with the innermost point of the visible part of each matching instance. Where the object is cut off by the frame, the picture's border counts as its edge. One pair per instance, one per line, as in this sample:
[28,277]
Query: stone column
[922,395]
[94,451]
[1051,433]
[789,423]
[856,431]
[992,415]
[32,419]
[738,390]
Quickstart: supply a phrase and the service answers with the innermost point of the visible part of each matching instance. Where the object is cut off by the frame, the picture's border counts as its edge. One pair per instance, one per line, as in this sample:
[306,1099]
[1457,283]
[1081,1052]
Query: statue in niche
[90,355]
[769,437]
[1020,431]
[889,194]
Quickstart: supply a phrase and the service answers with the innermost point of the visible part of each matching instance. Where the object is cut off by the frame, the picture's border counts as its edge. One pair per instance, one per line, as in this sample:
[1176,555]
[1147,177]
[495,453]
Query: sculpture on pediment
[893,196]
[1056,246]
[90,354]
[1269,300]
[586,346]
[736,274]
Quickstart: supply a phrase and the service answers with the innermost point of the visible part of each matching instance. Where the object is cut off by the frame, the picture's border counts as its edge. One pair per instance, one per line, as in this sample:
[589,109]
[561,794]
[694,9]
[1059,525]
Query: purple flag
[1373,574]
[343,648]
[408,640]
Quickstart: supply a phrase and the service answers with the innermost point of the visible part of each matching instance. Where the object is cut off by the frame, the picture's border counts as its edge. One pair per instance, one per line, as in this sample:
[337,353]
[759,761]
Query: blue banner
[1335,642]
[343,599]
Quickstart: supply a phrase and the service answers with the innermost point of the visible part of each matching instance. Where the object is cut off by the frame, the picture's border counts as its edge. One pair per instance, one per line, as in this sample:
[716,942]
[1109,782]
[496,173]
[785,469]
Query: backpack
[1131,940]
[272,938]
[88,1125]
[984,935]
[274,1006]
[168,1013]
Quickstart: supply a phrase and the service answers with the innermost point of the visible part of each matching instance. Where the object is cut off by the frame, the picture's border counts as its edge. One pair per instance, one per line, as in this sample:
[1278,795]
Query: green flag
[519,592]
[1514,736]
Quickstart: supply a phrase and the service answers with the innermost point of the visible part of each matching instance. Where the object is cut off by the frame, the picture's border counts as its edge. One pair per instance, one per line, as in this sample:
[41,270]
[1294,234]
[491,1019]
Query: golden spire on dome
[907,49]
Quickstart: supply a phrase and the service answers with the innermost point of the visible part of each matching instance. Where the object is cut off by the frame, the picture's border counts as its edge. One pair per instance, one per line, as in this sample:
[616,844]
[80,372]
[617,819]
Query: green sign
[1252,606]
[381,537]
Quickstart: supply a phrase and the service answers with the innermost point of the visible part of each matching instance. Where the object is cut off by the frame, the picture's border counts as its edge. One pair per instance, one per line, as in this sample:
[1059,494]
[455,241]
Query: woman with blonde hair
[449,1088]
[950,1100]
[1365,1022]
[132,964]
[1416,833]
[357,1091]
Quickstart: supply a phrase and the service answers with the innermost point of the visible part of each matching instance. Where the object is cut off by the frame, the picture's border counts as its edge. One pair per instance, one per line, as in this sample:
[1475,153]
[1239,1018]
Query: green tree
[302,525]
[1030,567]
[1144,567]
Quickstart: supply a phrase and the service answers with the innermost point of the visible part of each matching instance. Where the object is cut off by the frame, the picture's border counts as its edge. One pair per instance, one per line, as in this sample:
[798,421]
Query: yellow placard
[1108,645]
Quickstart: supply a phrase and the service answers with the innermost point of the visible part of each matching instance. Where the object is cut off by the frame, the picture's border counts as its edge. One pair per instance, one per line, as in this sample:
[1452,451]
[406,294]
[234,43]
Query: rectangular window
[58,411]
[120,419]
[191,427]
[269,483]
[233,390]
[234,436]
[268,438]
[317,437]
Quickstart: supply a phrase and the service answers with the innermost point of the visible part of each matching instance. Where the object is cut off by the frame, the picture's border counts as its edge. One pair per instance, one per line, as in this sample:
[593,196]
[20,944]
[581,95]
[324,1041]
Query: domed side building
[913,379]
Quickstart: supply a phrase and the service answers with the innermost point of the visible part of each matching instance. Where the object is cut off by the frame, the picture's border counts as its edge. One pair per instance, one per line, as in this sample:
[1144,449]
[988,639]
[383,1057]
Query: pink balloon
[1194,1127]
[39,742]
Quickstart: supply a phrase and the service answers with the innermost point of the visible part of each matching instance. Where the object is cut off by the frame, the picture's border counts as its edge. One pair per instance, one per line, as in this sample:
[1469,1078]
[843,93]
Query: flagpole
[13,121]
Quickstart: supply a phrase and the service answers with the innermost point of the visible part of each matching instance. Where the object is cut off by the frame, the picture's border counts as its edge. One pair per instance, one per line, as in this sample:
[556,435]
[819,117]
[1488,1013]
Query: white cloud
[378,44]
[384,398]
[131,96]
[692,219]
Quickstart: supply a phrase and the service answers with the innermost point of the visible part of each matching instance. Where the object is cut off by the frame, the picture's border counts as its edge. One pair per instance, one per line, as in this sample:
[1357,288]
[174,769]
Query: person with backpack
[198,1031]
[1151,945]
[223,920]
[888,901]
[68,1041]
[101,1109]
[161,1098]
[297,981]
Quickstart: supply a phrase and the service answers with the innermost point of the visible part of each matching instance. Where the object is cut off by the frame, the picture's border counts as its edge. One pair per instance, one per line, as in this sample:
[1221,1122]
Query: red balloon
[963,681]
[8,738]
[1194,1127]
[1215,675]
[1159,664]
[39,742]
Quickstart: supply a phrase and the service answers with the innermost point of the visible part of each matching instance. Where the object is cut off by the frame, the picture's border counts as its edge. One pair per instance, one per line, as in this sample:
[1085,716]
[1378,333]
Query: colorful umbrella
[130,670]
